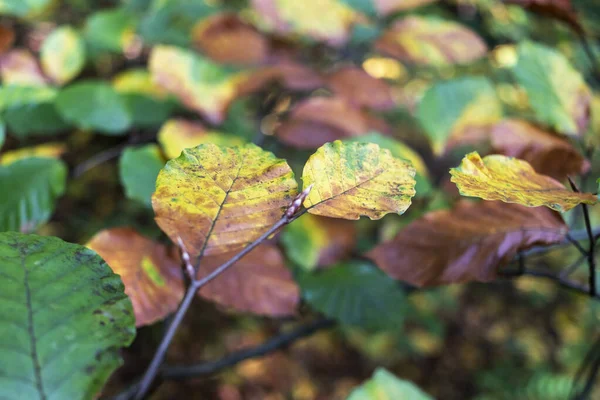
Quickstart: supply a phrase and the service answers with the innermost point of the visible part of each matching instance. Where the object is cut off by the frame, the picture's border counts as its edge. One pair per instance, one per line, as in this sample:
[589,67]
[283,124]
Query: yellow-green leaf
[431,41]
[351,180]
[178,134]
[197,82]
[219,199]
[557,92]
[511,180]
[63,54]
[326,20]
[46,150]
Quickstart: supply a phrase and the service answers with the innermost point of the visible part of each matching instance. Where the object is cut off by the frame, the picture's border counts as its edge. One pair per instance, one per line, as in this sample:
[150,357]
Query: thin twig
[593,358]
[577,245]
[98,159]
[571,268]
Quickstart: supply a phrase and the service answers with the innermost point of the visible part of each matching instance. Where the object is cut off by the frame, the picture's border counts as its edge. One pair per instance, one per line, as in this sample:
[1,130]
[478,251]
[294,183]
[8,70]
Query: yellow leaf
[46,150]
[510,180]
[138,81]
[219,199]
[63,54]
[355,179]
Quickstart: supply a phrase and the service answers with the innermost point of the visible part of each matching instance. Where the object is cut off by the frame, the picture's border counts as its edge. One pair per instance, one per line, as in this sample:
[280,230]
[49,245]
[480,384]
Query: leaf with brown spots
[259,283]
[219,199]
[497,177]
[547,153]
[468,243]
[150,272]
[350,180]
[431,41]
[360,89]
[319,120]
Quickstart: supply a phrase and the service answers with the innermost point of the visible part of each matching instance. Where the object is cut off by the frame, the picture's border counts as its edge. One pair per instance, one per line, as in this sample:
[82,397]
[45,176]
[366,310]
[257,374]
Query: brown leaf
[7,38]
[468,243]
[319,120]
[547,153]
[20,67]
[150,272]
[259,283]
[290,75]
[360,89]
[226,38]
[561,10]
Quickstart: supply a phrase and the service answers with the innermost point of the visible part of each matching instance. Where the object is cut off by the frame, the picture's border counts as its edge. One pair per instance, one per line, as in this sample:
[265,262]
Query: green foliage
[138,169]
[384,385]
[64,317]
[30,188]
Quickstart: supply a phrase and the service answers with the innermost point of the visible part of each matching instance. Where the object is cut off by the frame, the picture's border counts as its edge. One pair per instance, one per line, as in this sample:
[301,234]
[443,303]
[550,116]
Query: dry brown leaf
[150,272]
[468,243]
[259,283]
[360,89]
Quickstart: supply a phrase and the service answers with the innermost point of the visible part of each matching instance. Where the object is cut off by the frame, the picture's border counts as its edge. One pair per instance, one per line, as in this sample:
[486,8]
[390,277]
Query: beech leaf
[357,179]
[360,89]
[219,199]
[497,177]
[386,386]
[467,243]
[431,41]
[19,67]
[151,274]
[63,54]
[259,283]
[138,168]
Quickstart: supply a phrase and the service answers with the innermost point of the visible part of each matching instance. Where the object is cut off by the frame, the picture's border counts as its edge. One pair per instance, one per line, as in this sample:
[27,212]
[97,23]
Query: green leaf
[29,190]
[138,169]
[94,105]
[557,92]
[64,317]
[2,133]
[63,54]
[386,386]
[449,109]
[110,30]
[15,96]
[147,111]
[355,293]
[34,119]
[22,8]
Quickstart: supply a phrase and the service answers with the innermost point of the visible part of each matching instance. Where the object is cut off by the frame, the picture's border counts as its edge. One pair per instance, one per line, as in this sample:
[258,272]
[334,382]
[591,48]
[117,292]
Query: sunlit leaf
[228,39]
[63,54]
[94,105]
[360,89]
[357,179]
[355,293]
[385,386]
[450,111]
[259,283]
[178,134]
[64,319]
[46,150]
[20,68]
[324,20]
[152,275]
[467,243]
[197,82]
[23,8]
[547,153]
[402,151]
[138,169]
[319,120]
[30,188]
[497,177]
[315,241]
[431,41]
[16,96]
[557,92]
[219,199]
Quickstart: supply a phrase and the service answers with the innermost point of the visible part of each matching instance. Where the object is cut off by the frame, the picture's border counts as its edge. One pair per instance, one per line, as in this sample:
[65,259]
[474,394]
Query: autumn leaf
[557,92]
[219,199]
[357,179]
[46,150]
[198,83]
[20,67]
[63,54]
[178,134]
[458,110]
[226,38]
[7,38]
[323,20]
[319,120]
[561,10]
[431,41]
[259,283]
[467,243]
[314,241]
[547,153]
[150,272]
[385,7]
[497,177]
[360,89]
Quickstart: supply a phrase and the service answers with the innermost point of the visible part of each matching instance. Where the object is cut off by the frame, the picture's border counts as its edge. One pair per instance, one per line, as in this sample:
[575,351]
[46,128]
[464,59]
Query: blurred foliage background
[115,88]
